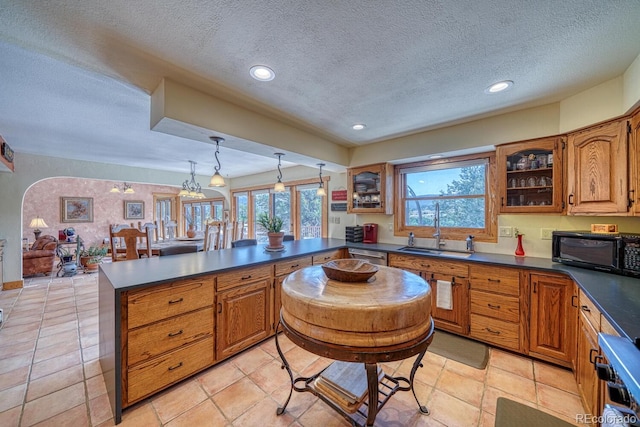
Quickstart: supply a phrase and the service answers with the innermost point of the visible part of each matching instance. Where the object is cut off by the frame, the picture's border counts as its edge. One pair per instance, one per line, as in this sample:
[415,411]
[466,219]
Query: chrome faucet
[411,241]
[436,224]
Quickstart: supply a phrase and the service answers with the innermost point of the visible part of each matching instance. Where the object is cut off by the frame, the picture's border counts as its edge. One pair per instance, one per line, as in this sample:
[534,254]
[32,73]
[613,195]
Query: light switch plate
[546,233]
[505,231]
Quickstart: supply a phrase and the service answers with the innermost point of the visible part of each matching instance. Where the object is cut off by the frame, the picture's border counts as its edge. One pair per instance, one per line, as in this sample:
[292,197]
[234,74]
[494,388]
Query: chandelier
[190,188]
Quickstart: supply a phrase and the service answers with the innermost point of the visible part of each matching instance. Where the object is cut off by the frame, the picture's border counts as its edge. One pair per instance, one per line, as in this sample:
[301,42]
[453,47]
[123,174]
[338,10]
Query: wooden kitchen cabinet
[597,170]
[457,319]
[552,318]
[282,270]
[370,189]
[244,309]
[530,175]
[495,306]
[168,335]
[634,159]
[587,351]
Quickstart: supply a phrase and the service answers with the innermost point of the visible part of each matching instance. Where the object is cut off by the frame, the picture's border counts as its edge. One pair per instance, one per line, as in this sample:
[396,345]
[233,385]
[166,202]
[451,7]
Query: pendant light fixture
[279,187]
[217,180]
[321,191]
[126,189]
[190,188]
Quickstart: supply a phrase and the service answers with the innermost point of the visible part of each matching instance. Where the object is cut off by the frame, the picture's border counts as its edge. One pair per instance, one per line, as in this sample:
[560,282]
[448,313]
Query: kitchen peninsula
[164,319]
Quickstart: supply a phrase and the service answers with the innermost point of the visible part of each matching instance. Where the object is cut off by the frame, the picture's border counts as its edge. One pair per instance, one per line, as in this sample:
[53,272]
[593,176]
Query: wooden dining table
[164,244]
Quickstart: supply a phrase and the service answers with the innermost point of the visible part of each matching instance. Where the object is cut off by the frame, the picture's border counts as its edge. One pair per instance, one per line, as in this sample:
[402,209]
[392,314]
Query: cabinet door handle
[494,307]
[535,287]
[570,201]
[219,307]
[176,301]
[246,277]
[171,368]
[501,201]
[573,301]
[593,359]
[491,331]
[173,334]
[453,281]
[585,308]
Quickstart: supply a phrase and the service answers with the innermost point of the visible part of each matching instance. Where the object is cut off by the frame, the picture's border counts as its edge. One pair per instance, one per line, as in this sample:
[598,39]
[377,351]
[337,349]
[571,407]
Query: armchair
[41,257]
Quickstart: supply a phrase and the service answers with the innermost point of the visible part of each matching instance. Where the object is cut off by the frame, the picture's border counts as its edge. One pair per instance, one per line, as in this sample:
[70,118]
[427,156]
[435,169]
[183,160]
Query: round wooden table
[385,319]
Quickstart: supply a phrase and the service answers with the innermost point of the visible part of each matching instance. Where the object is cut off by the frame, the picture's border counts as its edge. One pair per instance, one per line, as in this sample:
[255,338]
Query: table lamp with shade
[37,223]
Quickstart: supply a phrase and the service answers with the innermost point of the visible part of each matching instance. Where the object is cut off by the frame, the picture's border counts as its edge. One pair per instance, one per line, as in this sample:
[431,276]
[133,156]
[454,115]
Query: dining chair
[153,226]
[237,230]
[243,242]
[170,227]
[212,235]
[130,236]
[288,237]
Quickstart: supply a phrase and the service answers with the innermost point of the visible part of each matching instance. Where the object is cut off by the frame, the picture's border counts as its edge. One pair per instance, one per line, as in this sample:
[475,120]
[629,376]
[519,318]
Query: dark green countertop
[617,297]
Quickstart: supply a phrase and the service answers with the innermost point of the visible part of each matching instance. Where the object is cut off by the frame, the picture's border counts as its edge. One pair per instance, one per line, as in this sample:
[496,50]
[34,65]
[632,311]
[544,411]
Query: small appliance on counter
[370,233]
[354,234]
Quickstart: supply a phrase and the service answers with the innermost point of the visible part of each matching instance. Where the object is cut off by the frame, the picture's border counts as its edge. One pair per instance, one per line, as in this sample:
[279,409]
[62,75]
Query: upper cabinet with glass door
[530,175]
[369,189]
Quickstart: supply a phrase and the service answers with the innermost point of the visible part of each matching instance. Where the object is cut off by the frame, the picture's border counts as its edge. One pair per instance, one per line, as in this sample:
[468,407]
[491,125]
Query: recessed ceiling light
[358,126]
[262,73]
[499,87]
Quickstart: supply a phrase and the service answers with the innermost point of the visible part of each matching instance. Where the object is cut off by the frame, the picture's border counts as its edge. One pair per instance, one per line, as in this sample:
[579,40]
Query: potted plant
[273,225]
[65,255]
[90,258]
[191,231]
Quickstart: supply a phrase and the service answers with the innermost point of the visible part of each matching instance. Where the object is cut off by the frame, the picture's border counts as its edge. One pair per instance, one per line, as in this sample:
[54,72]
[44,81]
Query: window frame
[487,234]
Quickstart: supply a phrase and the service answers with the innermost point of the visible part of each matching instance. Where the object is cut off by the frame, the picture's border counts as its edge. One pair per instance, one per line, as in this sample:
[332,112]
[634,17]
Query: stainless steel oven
[374,257]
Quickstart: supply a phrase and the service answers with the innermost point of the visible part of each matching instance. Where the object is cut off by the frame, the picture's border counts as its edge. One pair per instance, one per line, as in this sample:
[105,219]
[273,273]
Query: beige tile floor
[50,376]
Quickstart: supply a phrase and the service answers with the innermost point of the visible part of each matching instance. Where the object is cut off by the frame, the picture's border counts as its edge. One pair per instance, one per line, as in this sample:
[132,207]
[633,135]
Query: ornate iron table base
[379,390]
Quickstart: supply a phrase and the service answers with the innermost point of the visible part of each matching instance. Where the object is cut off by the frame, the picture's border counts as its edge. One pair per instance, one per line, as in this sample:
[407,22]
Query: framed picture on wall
[76,209]
[133,209]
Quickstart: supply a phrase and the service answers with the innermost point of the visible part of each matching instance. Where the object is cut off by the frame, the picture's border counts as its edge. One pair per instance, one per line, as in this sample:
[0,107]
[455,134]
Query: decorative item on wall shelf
[273,225]
[190,188]
[133,209]
[37,223]
[126,189]
[76,209]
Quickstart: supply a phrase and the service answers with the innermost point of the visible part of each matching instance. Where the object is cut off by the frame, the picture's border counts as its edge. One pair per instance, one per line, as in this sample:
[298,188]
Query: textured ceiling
[77,75]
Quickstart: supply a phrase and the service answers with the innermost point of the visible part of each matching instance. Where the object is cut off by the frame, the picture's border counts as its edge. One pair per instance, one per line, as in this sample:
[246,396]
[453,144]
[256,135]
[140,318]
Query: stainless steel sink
[433,251]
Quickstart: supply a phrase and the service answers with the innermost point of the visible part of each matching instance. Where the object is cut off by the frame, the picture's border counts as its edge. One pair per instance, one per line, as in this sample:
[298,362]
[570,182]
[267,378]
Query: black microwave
[613,253]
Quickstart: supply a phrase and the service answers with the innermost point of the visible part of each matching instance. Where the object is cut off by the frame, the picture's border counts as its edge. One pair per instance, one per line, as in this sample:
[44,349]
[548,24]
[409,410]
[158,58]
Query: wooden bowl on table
[349,270]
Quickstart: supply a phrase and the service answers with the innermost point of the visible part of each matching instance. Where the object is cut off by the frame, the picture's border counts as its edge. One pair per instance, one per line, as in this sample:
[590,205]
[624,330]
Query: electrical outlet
[390,226]
[546,233]
[337,220]
[505,231]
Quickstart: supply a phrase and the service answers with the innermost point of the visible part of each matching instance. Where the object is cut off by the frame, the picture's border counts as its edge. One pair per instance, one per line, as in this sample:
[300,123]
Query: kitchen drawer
[495,279]
[149,341]
[494,331]
[289,266]
[497,306]
[243,275]
[590,311]
[151,376]
[606,327]
[161,302]
[429,265]
[327,256]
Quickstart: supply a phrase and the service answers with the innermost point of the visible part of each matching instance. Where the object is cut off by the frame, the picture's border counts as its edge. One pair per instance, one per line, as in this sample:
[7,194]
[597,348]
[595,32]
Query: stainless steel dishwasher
[374,257]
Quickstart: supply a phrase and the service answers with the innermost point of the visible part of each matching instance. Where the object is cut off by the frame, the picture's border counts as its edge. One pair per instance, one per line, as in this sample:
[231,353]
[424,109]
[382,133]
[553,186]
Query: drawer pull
[491,331]
[494,307]
[295,266]
[493,280]
[246,277]
[171,368]
[173,334]
[585,308]
[219,307]
[594,359]
[425,265]
[327,257]
[176,301]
